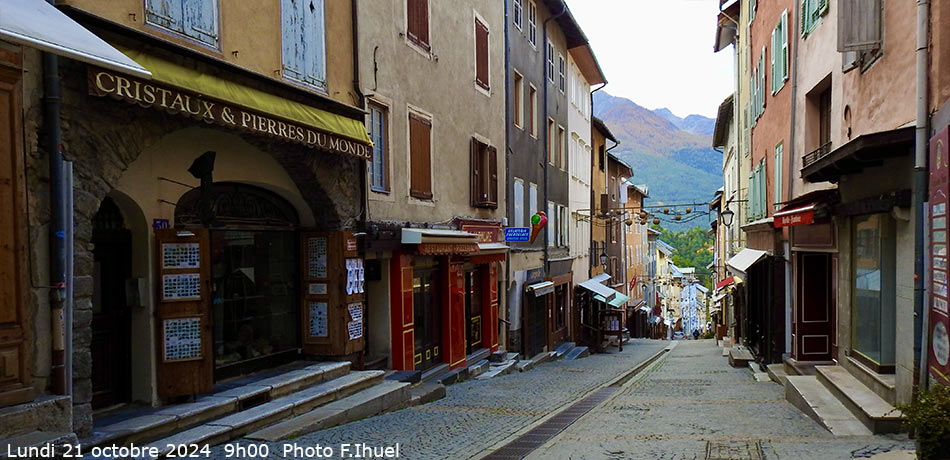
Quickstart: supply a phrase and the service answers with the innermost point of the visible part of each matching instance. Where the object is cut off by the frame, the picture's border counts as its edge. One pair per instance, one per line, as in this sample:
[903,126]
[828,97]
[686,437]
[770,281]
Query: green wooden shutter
[773,60]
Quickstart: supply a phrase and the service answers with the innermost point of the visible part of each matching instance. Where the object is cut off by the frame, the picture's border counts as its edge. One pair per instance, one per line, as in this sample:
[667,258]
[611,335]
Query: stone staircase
[41,424]
[841,403]
[293,402]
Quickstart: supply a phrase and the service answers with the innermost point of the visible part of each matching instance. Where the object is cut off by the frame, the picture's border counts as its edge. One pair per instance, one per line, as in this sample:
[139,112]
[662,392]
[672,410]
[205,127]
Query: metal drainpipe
[920,184]
[508,204]
[547,140]
[57,225]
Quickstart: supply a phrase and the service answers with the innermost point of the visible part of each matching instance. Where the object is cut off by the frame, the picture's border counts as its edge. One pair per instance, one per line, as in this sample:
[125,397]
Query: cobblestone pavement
[690,400]
[477,414]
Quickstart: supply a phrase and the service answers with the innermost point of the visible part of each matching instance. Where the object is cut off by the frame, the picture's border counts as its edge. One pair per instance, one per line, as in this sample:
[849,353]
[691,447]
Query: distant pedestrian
[695,334]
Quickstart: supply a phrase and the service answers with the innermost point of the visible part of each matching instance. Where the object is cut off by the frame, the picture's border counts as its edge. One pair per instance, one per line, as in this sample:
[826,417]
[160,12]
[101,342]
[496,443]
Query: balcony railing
[816,154]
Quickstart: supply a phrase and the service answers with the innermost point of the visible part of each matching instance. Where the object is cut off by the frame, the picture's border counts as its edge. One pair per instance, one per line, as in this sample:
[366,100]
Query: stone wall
[103,137]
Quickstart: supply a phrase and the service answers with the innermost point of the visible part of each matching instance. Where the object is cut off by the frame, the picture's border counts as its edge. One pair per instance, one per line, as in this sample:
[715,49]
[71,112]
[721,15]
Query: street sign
[517,234]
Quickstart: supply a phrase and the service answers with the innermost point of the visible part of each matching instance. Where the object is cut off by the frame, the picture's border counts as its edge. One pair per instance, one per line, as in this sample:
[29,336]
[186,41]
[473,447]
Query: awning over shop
[441,242]
[725,282]
[594,285]
[251,98]
[618,301]
[542,288]
[490,252]
[745,259]
[38,24]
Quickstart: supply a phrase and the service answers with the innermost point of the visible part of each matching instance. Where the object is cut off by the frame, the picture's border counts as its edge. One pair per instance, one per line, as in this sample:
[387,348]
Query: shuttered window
[420,132]
[777,180]
[859,25]
[779,58]
[484,175]
[751,10]
[812,11]
[481,54]
[303,42]
[417,22]
[379,168]
[196,19]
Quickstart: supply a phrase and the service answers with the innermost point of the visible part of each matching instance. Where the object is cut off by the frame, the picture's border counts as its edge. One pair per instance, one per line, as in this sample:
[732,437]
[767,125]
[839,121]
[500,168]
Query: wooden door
[815,312]
[427,299]
[473,311]
[111,315]
[14,319]
[183,326]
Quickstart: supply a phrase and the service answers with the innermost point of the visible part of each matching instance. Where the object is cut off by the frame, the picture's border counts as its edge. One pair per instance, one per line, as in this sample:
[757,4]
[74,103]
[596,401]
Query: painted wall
[250,37]
[398,76]
[579,167]
[598,188]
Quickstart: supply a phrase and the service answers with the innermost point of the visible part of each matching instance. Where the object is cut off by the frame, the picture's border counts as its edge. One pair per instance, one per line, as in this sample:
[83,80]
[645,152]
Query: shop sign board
[486,231]
[800,218]
[939,349]
[517,234]
[148,94]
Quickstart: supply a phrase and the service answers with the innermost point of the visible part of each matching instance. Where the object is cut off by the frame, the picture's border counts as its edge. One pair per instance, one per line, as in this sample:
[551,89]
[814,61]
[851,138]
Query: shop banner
[939,353]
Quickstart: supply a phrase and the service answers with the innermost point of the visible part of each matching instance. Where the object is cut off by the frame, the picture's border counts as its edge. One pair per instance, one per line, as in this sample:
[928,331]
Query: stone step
[777,373]
[157,424]
[874,412]
[40,444]
[740,357]
[577,353]
[523,366]
[435,373]
[45,413]
[498,369]
[260,417]
[811,397]
[478,368]
[375,400]
[512,357]
[563,349]
[425,393]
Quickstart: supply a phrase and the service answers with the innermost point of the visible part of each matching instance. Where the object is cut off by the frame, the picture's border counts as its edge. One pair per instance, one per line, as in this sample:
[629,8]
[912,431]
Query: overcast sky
[659,53]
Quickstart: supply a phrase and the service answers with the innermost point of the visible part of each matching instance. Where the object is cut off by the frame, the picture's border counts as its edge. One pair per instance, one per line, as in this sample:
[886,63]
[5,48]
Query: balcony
[816,154]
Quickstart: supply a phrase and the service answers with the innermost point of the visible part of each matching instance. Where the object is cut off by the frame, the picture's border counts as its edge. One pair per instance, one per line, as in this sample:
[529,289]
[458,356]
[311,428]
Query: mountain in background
[672,155]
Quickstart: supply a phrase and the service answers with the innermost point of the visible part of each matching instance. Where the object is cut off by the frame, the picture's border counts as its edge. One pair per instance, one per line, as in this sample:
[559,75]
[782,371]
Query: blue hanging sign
[517,234]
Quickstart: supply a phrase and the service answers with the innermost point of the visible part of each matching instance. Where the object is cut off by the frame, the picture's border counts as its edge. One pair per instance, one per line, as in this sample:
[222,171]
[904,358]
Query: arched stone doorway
[255,264]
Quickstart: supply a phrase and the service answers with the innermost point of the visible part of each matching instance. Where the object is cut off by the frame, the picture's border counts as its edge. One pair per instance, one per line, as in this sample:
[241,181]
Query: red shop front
[444,296]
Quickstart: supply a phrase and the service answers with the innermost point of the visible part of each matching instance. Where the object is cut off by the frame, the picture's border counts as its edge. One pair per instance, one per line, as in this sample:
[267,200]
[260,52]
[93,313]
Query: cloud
[659,53]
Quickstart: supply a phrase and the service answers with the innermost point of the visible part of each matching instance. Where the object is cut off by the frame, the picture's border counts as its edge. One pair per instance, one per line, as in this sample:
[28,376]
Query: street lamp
[603,259]
[727,217]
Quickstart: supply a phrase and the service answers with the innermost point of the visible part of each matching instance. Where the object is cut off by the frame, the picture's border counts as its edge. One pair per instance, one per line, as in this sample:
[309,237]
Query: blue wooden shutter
[165,13]
[315,43]
[200,20]
[293,46]
[377,128]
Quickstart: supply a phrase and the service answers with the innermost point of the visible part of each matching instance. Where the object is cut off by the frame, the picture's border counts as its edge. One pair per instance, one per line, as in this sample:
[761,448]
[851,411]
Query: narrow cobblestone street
[690,401]
[477,414]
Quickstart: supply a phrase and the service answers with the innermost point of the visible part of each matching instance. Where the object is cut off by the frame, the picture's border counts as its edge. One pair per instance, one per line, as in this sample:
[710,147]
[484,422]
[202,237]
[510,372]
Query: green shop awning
[330,126]
[617,302]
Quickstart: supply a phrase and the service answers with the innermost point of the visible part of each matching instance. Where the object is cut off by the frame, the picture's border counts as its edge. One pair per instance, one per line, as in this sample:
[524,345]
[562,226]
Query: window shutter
[476,164]
[859,25]
[784,45]
[492,176]
[822,7]
[165,13]
[200,20]
[777,192]
[417,22]
[293,45]
[315,39]
[420,161]
[481,54]
[804,18]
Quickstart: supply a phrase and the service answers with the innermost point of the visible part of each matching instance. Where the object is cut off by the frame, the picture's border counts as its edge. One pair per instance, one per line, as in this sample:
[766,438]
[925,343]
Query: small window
[532,23]
[532,199]
[780,54]
[552,224]
[533,111]
[561,147]
[377,122]
[420,157]
[518,99]
[195,19]
[552,141]
[562,79]
[518,197]
[417,22]
[517,14]
[484,175]
[550,61]
[481,54]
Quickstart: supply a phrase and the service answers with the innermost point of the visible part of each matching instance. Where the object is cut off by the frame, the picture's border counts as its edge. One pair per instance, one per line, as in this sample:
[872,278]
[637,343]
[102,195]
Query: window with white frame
[303,42]
[532,199]
[377,123]
[517,90]
[533,111]
[561,71]
[532,23]
[518,197]
[195,19]
[777,179]
[552,224]
[518,13]
[551,61]
[779,61]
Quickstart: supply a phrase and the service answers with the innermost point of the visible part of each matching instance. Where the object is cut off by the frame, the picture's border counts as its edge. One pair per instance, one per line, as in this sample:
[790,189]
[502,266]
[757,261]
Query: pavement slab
[691,404]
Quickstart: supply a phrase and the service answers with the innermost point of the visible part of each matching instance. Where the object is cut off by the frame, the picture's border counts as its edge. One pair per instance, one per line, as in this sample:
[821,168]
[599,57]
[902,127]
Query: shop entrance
[815,317]
[535,323]
[427,308]
[473,311]
[559,305]
[111,318]
[254,276]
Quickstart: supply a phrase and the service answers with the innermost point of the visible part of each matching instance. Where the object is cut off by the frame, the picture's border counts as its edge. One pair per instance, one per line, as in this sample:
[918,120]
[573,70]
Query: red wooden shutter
[481,54]
[420,161]
[185,359]
[417,22]
[493,176]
